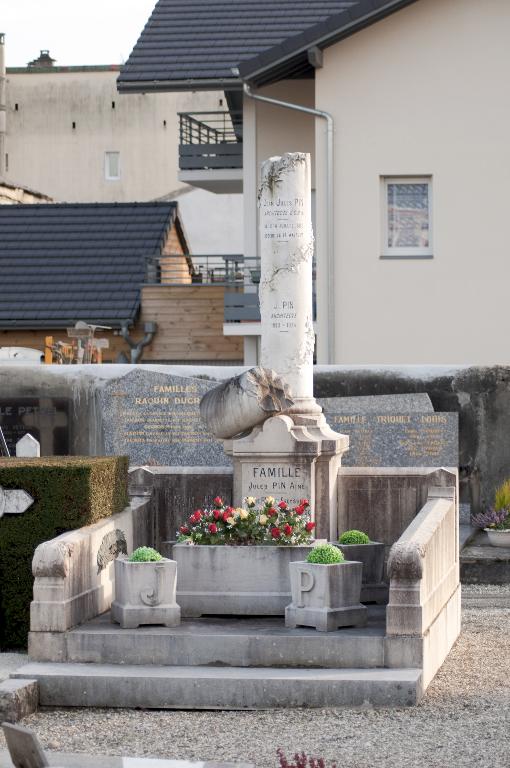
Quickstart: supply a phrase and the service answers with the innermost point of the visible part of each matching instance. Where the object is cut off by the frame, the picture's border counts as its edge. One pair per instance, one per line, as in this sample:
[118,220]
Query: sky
[75,31]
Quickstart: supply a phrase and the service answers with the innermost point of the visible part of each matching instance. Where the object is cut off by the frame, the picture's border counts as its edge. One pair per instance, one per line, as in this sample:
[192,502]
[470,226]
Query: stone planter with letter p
[325,596]
[145,593]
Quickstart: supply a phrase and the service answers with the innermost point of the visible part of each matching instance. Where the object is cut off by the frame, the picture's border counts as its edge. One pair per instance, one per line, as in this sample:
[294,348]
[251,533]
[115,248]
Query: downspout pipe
[3,104]
[138,346]
[330,226]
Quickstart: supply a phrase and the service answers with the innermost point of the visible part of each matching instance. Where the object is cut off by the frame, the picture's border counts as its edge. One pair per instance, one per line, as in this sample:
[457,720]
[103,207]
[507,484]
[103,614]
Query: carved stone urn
[145,593]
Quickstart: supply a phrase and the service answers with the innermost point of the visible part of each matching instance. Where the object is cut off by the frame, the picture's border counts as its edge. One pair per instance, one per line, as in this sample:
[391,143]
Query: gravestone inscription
[386,438]
[289,480]
[154,419]
[46,418]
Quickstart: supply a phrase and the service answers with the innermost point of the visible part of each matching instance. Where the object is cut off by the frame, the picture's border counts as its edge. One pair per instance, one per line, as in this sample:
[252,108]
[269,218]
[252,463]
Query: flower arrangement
[271,523]
[496,519]
[325,554]
[145,555]
[354,537]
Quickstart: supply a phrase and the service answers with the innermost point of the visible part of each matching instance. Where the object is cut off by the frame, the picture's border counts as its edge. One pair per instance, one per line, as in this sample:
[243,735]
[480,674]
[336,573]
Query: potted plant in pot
[236,560]
[496,524]
[145,587]
[325,591]
[356,545]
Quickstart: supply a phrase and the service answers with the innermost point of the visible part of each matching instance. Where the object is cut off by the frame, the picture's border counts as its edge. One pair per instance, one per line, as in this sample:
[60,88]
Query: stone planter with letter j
[145,593]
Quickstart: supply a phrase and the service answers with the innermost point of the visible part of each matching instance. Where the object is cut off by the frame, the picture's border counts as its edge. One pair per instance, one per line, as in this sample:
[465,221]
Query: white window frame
[404,252]
[107,165]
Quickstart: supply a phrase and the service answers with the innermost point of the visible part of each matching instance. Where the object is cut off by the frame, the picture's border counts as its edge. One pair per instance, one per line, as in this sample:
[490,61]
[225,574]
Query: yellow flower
[243,514]
[251,501]
[231,521]
[263,519]
[269,500]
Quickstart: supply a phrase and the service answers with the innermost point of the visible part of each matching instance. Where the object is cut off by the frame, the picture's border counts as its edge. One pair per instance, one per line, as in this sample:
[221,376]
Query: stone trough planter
[145,593]
[373,588]
[325,596]
[230,580]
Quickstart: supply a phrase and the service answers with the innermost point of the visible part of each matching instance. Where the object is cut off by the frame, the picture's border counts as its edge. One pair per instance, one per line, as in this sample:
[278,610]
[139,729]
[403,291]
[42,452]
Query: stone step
[215,641]
[481,563]
[152,687]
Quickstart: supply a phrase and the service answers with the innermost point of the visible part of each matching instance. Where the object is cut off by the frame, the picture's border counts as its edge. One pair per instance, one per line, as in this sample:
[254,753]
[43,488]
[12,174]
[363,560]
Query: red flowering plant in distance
[269,523]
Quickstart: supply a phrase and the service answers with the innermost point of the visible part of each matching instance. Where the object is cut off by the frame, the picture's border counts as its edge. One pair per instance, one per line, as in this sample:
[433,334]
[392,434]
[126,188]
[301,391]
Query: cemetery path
[463,720]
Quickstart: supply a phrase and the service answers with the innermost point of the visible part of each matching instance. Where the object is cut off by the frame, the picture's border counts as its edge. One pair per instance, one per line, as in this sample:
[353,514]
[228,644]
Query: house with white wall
[402,106]
[66,131]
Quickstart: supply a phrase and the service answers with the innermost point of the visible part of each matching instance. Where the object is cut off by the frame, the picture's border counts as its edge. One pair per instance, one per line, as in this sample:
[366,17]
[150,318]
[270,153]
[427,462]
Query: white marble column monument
[296,454]
[285,290]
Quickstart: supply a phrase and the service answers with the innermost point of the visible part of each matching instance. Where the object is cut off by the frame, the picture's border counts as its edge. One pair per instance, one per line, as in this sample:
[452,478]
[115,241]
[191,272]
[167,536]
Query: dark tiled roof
[60,263]
[199,41]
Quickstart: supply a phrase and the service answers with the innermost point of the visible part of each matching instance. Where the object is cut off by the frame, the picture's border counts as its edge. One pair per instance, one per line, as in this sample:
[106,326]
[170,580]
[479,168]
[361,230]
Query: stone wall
[481,397]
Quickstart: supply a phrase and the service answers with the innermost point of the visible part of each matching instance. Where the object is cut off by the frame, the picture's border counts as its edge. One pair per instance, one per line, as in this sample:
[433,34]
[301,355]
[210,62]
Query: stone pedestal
[289,461]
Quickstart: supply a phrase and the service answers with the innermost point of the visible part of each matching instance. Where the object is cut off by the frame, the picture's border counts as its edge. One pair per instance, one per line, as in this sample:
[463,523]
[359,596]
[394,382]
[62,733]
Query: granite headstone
[394,431]
[154,419]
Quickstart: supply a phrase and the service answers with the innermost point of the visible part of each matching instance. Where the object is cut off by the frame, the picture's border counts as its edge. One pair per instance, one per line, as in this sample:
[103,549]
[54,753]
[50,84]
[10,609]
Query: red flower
[213,528]
[196,516]
[272,512]
[230,511]
[283,505]
[309,527]
[304,503]
[299,509]
[218,501]
[287,529]
[226,514]
[216,514]
[275,533]
[184,529]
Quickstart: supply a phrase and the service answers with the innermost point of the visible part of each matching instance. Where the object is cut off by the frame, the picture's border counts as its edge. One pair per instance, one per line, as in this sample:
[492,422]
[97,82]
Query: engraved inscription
[290,482]
[398,439]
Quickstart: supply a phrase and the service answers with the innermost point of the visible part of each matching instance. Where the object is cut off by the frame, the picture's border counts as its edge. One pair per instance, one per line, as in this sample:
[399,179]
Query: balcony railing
[210,140]
[239,275]
[226,270]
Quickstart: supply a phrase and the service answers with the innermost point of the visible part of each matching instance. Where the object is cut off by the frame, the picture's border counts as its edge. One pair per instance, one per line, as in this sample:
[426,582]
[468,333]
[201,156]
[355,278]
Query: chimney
[3,105]
[43,61]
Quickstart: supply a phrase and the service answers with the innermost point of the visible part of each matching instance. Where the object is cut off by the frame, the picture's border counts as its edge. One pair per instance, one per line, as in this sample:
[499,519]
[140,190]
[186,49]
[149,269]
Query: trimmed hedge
[69,492]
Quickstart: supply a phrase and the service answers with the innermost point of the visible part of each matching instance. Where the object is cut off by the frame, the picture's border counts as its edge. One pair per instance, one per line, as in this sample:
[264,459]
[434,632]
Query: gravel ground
[464,720]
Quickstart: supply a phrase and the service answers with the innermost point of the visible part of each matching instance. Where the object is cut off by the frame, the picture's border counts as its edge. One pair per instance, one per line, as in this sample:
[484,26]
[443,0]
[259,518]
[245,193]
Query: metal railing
[210,140]
[224,269]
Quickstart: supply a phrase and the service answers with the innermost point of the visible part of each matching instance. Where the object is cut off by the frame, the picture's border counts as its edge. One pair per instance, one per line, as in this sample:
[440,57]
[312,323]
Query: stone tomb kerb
[294,455]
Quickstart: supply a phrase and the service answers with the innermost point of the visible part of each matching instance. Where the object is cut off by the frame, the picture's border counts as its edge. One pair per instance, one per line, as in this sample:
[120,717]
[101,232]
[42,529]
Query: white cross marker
[14,502]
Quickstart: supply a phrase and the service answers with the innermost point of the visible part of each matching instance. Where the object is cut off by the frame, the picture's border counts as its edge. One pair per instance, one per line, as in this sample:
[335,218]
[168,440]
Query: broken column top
[286,251]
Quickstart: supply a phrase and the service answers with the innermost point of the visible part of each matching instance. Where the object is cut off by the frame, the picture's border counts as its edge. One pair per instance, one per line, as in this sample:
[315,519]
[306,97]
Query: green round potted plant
[145,589]
[325,591]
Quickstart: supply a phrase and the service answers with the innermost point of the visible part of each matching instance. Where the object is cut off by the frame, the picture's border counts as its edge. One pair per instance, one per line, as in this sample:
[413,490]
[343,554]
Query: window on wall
[407,219]
[112,166]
